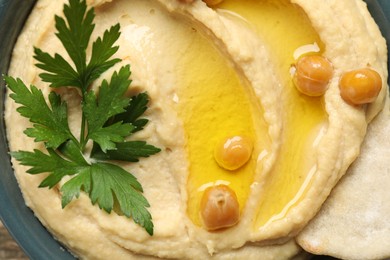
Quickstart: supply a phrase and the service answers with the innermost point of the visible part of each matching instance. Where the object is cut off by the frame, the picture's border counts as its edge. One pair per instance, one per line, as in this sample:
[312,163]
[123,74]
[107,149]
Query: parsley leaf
[101,181]
[50,125]
[131,208]
[129,151]
[138,105]
[61,73]
[111,101]
[109,117]
[71,189]
[74,34]
[102,51]
[52,163]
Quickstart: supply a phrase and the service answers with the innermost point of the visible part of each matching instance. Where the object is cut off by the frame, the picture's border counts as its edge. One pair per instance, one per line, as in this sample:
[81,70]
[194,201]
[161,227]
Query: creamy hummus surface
[213,72]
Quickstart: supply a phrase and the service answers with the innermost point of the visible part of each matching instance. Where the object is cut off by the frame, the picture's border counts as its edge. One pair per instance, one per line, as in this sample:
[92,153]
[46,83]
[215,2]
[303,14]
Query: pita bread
[354,222]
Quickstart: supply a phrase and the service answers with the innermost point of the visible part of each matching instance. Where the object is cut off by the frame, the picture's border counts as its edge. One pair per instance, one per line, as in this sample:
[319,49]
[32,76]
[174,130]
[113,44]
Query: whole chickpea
[312,75]
[360,86]
[219,207]
[233,152]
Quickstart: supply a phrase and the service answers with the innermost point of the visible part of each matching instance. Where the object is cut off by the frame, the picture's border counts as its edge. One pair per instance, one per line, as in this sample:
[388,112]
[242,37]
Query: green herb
[108,119]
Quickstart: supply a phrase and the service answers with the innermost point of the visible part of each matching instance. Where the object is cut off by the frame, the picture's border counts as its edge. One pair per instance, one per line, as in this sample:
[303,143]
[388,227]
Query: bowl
[20,221]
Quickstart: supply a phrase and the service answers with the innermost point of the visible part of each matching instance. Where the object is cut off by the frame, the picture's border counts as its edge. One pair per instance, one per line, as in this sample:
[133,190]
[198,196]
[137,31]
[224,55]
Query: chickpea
[233,152]
[360,86]
[219,207]
[312,75]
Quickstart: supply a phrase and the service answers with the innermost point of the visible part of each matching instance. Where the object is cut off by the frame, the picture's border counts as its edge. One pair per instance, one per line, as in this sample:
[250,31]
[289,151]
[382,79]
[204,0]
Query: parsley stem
[83,140]
[74,139]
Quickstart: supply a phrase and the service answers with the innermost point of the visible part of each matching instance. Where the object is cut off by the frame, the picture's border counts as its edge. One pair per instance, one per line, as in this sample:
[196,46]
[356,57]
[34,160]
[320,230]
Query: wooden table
[9,249]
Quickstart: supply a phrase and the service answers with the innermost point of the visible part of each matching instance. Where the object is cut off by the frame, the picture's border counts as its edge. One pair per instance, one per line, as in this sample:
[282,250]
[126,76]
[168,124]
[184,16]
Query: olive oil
[284,27]
[215,103]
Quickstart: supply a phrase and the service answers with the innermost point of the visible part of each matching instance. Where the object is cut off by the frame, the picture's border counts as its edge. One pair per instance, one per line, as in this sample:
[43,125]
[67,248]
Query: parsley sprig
[108,119]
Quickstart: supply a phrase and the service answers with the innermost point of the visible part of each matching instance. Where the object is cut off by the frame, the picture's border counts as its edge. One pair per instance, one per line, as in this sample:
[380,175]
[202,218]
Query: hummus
[211,73]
